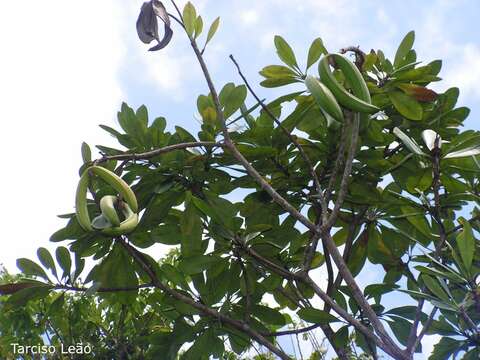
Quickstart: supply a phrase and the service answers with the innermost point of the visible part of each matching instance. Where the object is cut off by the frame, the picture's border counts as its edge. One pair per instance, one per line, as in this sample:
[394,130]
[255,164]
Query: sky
[66,67]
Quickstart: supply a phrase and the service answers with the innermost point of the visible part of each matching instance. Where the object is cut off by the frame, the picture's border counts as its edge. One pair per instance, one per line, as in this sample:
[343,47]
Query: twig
[156,152]
[359,55]
[293,331]
[459,227]
[103,290]
[411,348]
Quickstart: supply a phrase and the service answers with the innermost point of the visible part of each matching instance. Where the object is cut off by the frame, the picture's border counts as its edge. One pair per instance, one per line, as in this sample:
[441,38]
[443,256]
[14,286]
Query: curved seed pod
[81,210]
[118,184]
[324,98]
[126,226]
[359,101]
[107,206]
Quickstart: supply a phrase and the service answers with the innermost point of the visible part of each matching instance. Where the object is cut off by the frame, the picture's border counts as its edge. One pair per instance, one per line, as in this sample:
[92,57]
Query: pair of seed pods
[108,222]
[329,94]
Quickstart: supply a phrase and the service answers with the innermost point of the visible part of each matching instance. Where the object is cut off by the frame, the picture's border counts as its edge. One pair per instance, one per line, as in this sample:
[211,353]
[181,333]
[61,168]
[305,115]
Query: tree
[369,167]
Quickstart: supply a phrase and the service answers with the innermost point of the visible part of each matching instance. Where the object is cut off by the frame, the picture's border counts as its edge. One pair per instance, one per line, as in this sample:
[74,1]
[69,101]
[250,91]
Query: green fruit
[108,222]
[118,184]
[324,98]
[107,206]
[81,209]
[360,99]
[126,226]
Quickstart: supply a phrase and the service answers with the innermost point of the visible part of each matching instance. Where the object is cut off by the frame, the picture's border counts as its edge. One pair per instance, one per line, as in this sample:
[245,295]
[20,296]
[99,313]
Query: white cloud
[59,76]
[464,73]
[249,17]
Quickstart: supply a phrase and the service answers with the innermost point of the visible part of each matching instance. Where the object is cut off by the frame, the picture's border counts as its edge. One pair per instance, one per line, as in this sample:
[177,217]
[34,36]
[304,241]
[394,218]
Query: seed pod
[324,98]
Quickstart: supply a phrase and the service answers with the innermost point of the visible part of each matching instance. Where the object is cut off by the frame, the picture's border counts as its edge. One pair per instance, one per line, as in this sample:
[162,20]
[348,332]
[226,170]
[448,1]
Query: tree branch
[236,153]
[103,290]
[411,347]
[239,325]
[346,173]
[156,152]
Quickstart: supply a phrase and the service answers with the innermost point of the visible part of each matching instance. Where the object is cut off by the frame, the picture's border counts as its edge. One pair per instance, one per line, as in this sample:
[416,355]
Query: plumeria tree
[274,211]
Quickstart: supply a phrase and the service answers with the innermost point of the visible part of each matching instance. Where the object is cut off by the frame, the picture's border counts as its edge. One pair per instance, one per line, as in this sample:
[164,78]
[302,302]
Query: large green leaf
[406,105]
[212,30]
[316,316]
[466,243]
[404,48]
[445,348]
[28,267]
[285,52]
[63,258]
[197,264]
[316,50]
[269,315]
[191,231]
[46,259]
[189,18]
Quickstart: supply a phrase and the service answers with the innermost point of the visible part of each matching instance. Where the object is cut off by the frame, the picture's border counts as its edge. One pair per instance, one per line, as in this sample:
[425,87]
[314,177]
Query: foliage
[259,197]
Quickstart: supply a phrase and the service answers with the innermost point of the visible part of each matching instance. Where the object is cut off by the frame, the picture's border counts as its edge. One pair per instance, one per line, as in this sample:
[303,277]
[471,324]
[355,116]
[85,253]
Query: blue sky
[66,66]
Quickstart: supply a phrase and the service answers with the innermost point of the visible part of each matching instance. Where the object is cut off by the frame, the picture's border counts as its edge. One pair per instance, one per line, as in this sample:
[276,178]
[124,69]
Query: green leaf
[445,348]
[189,18]
[212,30]
[466,243]
[198,26]
[473,354]
[117,270]
[46,259]
[175,276]
[471,151]
[269,315]
[410,143]
[359,254]
[421,181]
[191,231]
[406,105]
[316,316]
[231,98]
[28,267]
[63,257]
[197,264]
[277,82]
[378,252]
[401,329]
[433,285]
[404,48]
[285,52]
[277,72]
[86,153]
[316,50]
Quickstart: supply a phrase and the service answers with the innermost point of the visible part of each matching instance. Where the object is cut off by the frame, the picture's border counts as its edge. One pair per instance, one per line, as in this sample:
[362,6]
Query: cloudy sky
[66,66]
